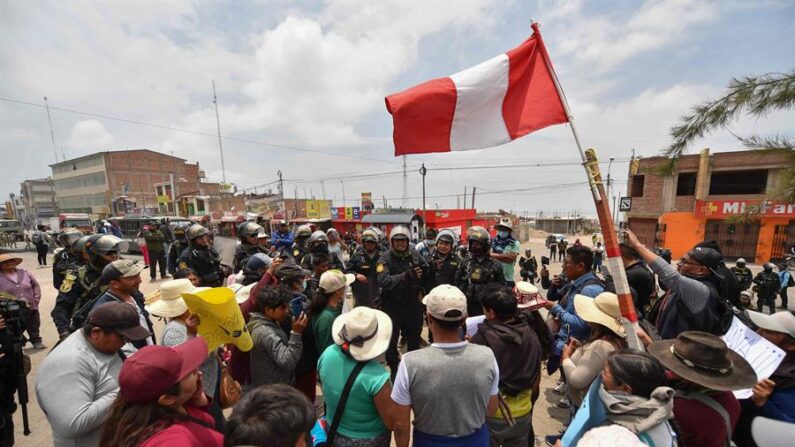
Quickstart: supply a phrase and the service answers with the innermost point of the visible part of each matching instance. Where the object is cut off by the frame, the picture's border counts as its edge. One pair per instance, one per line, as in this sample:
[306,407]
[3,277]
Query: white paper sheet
[764,357]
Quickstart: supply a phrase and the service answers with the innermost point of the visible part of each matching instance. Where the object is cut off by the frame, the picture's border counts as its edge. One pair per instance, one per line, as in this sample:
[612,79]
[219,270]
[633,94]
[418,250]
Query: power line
[504,191]
[195,132]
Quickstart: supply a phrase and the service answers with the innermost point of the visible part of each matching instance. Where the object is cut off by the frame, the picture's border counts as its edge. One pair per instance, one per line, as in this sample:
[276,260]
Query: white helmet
[399,232]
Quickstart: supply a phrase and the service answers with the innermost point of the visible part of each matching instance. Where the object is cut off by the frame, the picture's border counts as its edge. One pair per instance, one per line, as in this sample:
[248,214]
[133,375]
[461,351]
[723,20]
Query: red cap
[150,372]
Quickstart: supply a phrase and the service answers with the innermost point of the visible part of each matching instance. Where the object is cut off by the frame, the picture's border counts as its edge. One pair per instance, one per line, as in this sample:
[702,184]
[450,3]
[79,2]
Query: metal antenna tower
[52,135]
[404,202]
[218,123]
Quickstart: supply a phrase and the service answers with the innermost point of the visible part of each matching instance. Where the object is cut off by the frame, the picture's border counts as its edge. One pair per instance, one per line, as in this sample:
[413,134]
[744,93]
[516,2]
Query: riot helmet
[79,247]
[196,231]
[318,241]
[303,231]
[248,229]
[103,249]
[768,267]
[67,237]
[399,233]
[369,236]
[740,262]
[179,230]
[481,238]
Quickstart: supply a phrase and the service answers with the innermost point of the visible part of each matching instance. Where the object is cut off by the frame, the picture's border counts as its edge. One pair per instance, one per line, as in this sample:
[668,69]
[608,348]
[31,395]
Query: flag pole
[614,263]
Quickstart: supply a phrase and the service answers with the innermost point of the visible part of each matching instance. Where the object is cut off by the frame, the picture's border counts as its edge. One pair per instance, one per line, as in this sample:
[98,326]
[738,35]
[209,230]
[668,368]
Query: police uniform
[363,263]
[243,251]
[79,287]
[334,262]
[743,275]
[297,252]
[472,277]
[444,268]
[401,298]
[206,262]
[61,263]
[174,252]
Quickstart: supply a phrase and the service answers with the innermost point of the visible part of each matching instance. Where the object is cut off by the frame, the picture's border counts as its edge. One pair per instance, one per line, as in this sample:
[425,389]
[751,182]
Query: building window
[199,205]
[686,184]
[637,185]
[738,182]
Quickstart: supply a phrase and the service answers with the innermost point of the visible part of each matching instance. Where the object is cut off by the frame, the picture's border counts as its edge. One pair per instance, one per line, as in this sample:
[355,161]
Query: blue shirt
[571,325]
[282,240]
[784,276]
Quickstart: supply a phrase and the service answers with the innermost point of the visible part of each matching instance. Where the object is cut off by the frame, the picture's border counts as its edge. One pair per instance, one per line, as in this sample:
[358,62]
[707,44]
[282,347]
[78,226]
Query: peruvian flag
[487,105]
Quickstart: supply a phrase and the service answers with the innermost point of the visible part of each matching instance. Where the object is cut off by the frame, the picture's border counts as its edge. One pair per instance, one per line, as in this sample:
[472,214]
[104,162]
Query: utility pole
[423,171]
[220,145]
[342,182]
[52,135]
[465,196]
[473,196]
[323,188]
[404,202]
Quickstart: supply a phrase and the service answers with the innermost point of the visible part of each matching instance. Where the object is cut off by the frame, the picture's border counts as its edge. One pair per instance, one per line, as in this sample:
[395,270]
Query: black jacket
[444,268]
[472,277]
[517,350]
[398,283]
[363,264]
[641,280]
[206,262]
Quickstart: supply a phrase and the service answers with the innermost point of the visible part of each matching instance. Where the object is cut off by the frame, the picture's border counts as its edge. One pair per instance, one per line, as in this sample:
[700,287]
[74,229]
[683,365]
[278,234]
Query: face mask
[503,234]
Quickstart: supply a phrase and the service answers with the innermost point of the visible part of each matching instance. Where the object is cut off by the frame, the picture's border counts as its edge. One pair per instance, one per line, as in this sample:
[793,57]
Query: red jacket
[702,426]
[188,433]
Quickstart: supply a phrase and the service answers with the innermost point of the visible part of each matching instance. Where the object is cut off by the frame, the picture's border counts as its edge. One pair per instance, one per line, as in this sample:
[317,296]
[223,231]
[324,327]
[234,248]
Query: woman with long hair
[583,362]
[161,400]
[326,306]
[636,395]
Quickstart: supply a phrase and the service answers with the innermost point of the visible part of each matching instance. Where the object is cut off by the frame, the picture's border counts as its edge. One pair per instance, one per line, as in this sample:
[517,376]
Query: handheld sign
[221,321]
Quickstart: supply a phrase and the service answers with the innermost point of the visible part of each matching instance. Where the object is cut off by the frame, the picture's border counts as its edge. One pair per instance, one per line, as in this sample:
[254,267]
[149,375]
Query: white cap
[446,303]
[333,280]
[782,322]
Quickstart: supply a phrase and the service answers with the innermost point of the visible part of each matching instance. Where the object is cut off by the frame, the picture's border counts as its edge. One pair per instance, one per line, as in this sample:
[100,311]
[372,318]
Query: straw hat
[602,310]
[10,257]
[171,304]
[363,332]
[242,292]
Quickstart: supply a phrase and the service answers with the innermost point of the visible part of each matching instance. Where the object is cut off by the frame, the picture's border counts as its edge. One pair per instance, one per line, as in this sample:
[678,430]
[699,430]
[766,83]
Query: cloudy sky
[301,87]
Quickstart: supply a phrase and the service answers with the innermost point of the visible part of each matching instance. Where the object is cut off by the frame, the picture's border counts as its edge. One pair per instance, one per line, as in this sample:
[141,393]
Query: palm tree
[756,96]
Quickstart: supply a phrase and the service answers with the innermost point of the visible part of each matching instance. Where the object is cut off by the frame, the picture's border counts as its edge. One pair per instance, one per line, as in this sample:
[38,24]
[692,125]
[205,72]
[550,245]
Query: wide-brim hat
[604,310]
[10,257]
[242,293]
[363,332]
[781,322]
[170,304]
[704,359]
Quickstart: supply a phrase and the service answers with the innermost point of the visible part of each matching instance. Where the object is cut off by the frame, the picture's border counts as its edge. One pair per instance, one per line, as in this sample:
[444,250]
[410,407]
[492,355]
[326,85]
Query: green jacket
[154,240]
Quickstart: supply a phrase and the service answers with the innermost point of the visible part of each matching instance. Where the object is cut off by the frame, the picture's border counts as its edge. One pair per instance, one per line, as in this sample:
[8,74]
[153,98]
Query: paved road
[546,415]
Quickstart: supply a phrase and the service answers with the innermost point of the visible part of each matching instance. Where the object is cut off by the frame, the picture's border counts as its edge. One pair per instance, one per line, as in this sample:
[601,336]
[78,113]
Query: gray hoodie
[274,355]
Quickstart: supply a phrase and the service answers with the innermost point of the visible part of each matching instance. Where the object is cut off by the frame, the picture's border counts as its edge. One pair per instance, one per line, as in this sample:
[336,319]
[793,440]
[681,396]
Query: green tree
[755,96]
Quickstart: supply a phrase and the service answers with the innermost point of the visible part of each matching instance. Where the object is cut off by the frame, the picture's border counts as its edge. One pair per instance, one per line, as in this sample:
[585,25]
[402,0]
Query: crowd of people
[473,380]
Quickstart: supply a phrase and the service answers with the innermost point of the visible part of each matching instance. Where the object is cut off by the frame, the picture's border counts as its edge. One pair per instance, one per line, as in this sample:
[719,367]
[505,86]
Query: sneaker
[39,346]
[564,403]
[165,276]
[559,388]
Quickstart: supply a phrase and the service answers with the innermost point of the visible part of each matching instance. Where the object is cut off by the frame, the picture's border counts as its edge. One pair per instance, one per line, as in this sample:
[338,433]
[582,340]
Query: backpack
[36,239]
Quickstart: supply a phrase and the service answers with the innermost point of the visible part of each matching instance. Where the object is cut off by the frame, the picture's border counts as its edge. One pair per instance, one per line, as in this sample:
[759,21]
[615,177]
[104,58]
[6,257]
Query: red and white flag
[487,105]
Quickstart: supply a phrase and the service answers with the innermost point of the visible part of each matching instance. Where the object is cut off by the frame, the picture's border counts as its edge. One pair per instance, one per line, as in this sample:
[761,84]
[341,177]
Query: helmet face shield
[248,229]
[107,244]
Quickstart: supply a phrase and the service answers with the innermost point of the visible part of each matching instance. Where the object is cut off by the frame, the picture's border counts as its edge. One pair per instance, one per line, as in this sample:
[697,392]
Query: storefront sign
[717,209]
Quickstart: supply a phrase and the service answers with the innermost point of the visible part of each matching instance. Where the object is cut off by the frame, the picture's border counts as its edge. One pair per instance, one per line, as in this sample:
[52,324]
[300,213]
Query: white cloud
[90,135]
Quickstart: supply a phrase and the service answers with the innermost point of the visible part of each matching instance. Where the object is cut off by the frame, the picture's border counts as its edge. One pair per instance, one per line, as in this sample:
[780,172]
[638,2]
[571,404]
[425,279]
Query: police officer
[443,259]
[299,248]
[743,274]
[478,269]
[155,239]
[768,284]
[383,241]
[83,284]
[178,245]
[202,257]
[249,234]
[66,256]
[10,333]
[363,264]
[404,276]
[425,248]
[318,244]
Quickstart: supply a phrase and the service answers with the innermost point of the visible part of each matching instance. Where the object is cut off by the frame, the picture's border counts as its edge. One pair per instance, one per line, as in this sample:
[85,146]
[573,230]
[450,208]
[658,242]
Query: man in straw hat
[705,373]
[77,383]
[451,407]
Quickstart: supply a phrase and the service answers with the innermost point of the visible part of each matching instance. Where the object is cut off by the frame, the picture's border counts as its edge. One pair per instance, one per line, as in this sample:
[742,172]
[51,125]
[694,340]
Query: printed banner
[727,208]
[348,213]
[221,321]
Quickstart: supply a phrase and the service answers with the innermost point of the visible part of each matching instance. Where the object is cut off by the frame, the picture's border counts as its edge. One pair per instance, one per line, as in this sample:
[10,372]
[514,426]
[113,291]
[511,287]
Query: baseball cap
[120,317]
[123,268]
[708,257]
[333,280]
[153,370]
[782,322]
[291,271]
[446,303]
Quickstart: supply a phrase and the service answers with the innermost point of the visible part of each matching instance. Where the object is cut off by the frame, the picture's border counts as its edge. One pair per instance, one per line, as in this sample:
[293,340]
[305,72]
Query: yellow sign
[163,199]
[323,209]
[221,321]
[311,209]
[348,213]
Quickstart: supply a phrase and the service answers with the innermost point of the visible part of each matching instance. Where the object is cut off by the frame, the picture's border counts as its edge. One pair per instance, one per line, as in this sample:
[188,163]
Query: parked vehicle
[131,228]
[13,227]
[81,221]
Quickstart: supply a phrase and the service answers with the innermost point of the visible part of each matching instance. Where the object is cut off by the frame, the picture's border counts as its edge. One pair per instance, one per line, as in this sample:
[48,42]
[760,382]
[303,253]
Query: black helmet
[79,246]
[104,244]
[179,230]
[195,231]
[317,236]
[740,262]
[248,229]
[68,236]
[479,234]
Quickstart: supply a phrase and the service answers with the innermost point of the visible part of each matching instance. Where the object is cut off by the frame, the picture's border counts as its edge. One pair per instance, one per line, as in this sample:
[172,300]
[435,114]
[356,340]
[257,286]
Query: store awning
[389,218]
